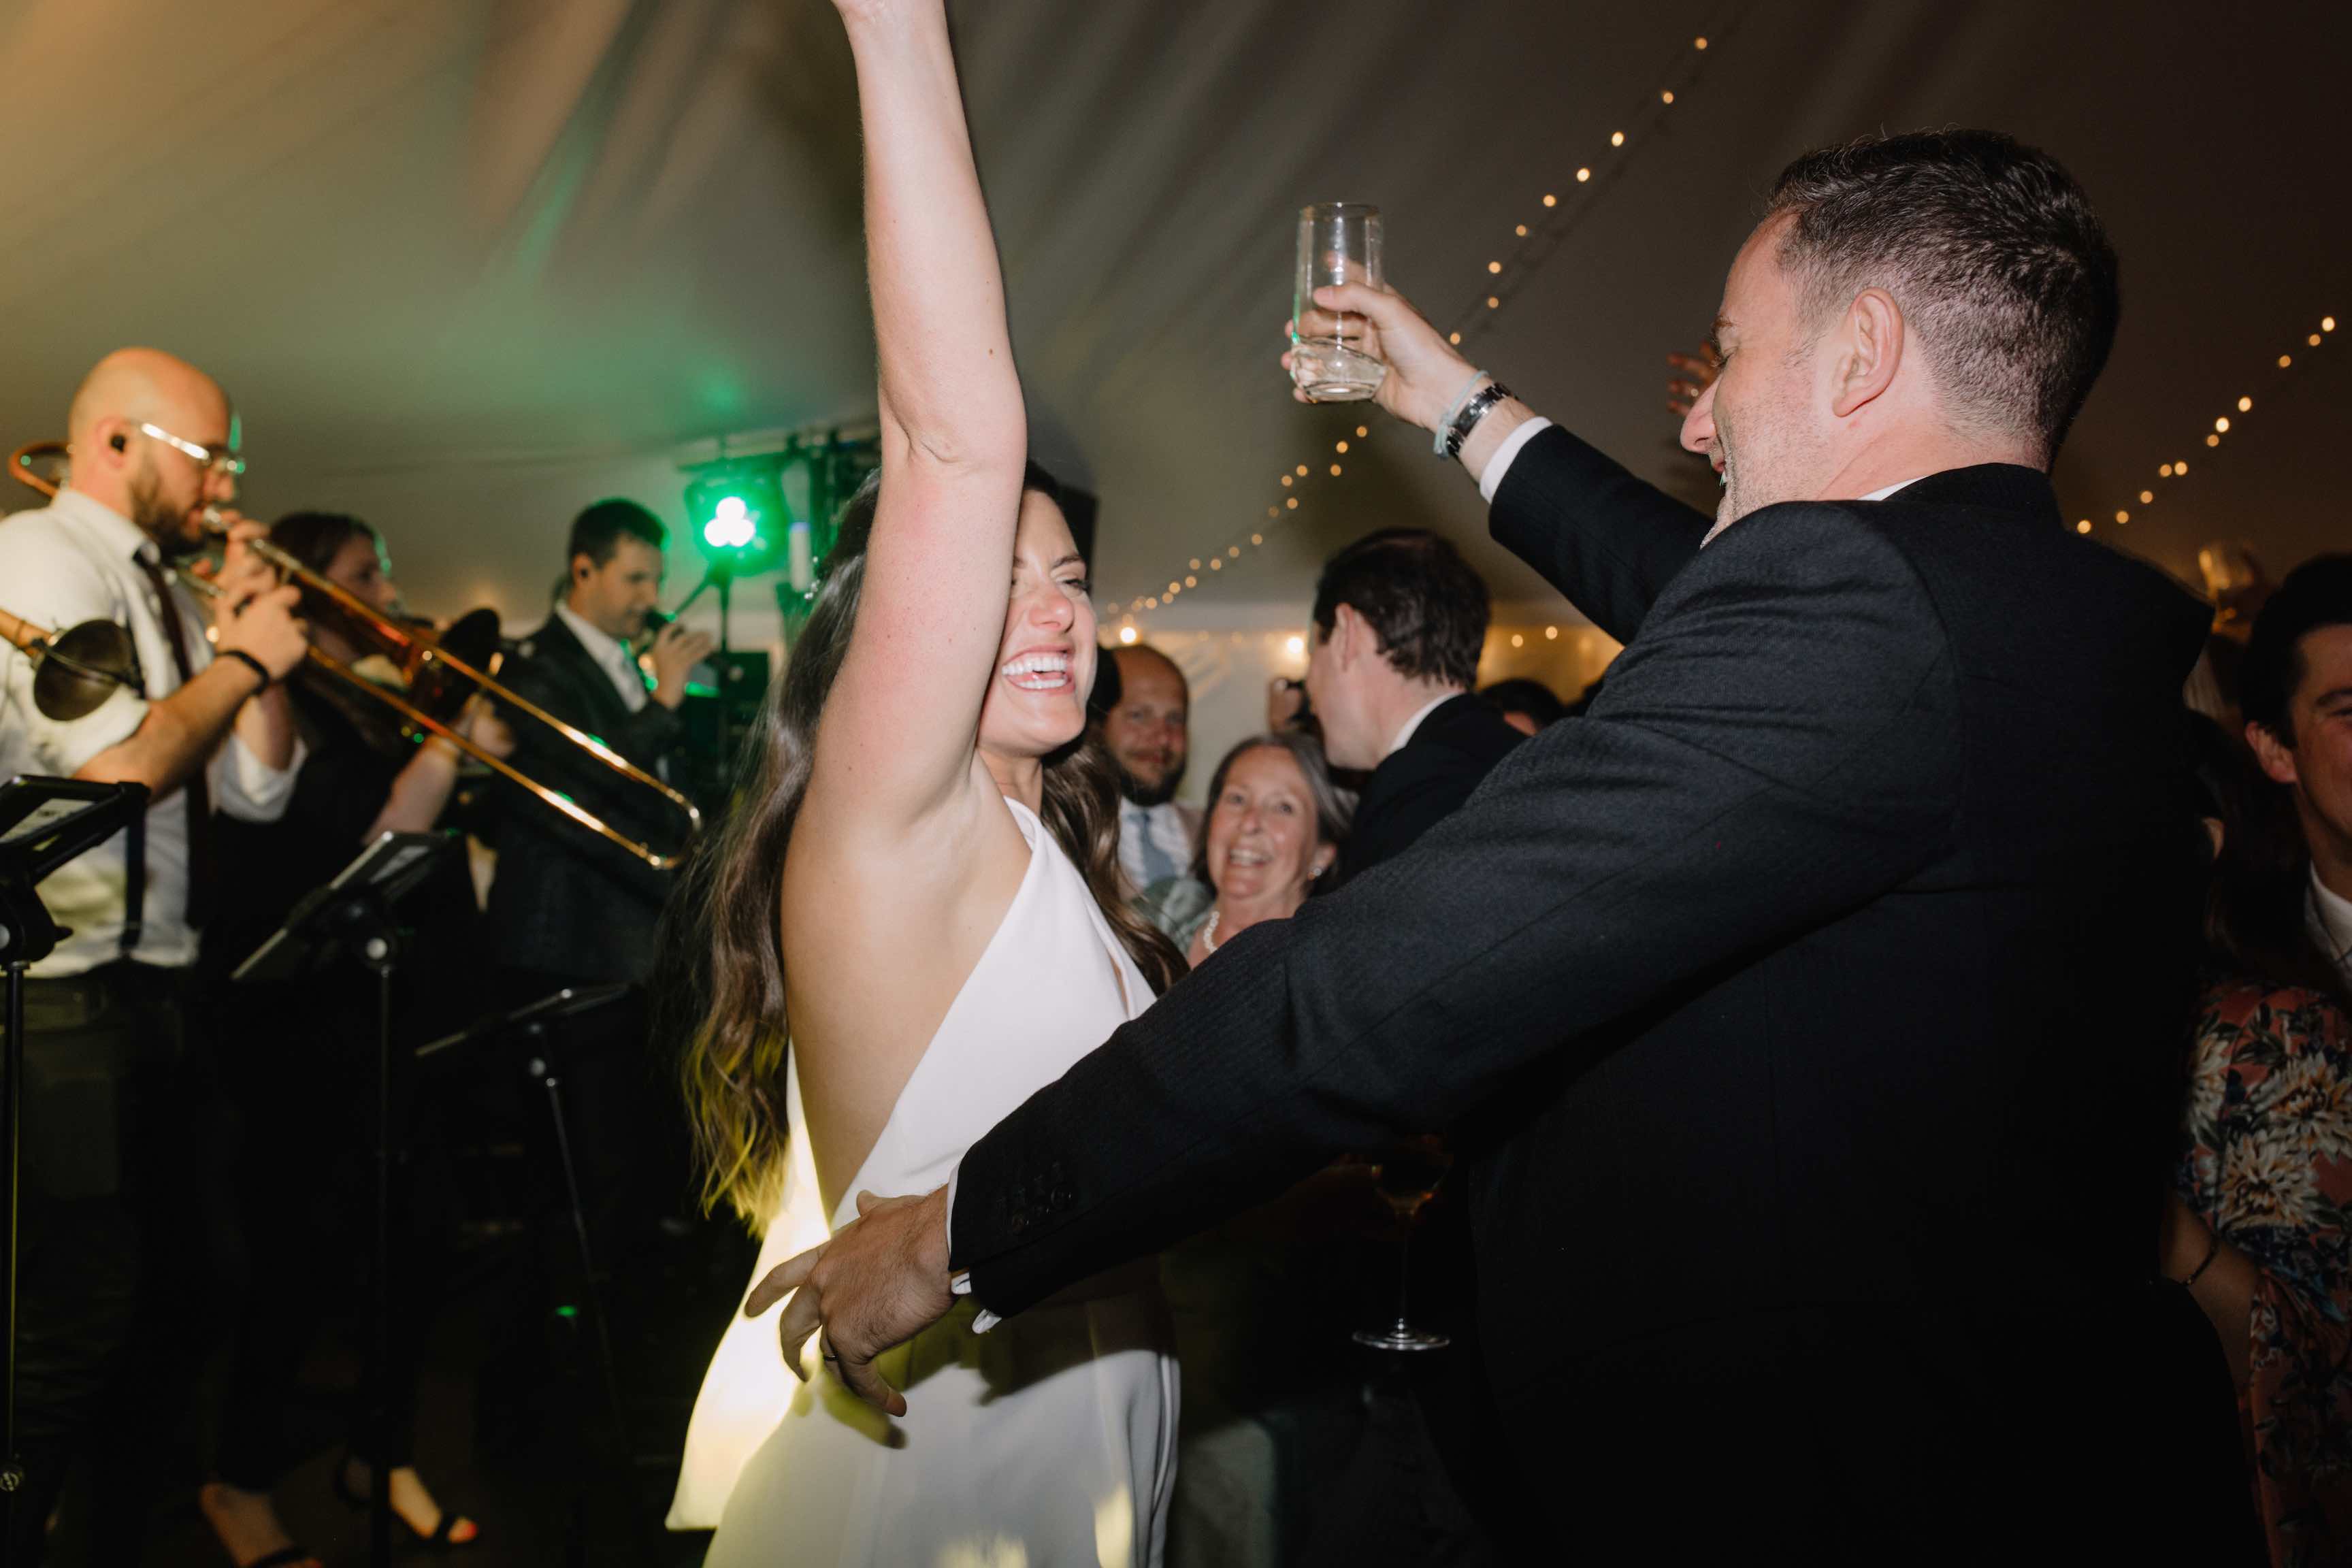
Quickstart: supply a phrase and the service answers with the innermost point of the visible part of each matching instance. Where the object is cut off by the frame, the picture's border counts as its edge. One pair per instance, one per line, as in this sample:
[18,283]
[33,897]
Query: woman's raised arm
[898,732]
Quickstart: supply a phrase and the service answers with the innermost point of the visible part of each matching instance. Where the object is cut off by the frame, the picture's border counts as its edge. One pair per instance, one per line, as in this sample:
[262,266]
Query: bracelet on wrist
[2212,1250]
[252,664]
[1453,410]
[1482,403]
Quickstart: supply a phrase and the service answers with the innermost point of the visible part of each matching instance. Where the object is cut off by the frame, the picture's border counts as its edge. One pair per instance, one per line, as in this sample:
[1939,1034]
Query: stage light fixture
[736,510]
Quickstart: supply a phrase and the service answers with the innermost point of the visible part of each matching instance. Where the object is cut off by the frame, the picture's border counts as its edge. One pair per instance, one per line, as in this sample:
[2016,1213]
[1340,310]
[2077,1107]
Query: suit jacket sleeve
[540,753]
[1779,748]
[1608,541]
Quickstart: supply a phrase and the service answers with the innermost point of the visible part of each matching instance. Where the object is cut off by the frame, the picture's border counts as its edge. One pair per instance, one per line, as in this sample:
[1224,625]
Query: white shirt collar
[2332,913]
[610,654]
[602,646]
[117,534]
[1879,494]
[1413,723]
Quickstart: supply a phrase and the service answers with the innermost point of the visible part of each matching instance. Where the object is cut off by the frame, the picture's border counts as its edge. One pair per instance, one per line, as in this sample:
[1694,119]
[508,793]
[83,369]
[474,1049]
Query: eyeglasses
[225,462]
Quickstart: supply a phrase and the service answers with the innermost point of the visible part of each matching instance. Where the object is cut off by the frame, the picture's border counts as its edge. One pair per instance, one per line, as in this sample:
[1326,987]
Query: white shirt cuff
[1491,478]
[960,1282]
[250,789]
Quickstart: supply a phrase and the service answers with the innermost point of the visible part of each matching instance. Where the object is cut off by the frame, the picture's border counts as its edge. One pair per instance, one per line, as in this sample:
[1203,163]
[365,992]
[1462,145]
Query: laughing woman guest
[1276,820]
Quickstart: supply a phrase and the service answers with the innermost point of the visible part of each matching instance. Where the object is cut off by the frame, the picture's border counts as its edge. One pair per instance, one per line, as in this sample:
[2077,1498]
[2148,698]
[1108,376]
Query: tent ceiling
[427,236]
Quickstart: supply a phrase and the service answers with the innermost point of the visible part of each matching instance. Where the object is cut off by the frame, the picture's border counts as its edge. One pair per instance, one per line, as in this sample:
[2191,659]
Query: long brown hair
[723,926]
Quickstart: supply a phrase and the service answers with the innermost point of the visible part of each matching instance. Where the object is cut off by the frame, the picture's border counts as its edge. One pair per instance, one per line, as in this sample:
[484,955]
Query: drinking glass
[1339,242]
[1406,1179]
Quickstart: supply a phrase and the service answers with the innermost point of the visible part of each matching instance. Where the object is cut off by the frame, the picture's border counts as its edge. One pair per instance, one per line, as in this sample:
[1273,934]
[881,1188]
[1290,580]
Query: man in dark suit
[569,909]
[1399,620]
[1828,976]
[567,906]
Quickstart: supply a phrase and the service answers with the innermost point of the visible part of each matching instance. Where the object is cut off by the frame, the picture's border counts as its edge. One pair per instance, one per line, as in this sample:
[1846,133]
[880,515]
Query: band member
[115,1060]
[567,906]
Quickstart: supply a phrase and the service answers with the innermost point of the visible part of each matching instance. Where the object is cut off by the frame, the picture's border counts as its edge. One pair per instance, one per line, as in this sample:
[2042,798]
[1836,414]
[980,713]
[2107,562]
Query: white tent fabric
[468,264]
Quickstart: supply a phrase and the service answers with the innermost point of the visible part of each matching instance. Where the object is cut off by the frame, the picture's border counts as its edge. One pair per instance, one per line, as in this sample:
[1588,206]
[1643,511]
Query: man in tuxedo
[1826,980]
[1399,620]
[567,907]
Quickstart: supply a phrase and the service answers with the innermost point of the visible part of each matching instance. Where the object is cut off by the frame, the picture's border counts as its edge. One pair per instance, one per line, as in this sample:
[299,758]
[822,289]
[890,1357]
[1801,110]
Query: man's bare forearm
[266,725]
[179,733]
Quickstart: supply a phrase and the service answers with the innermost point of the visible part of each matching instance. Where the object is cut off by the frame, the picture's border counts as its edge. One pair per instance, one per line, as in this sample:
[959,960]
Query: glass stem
[1404,1271]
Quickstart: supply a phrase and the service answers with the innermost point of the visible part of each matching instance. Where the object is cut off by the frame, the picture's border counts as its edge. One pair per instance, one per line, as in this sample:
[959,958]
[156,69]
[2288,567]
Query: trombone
[421,657]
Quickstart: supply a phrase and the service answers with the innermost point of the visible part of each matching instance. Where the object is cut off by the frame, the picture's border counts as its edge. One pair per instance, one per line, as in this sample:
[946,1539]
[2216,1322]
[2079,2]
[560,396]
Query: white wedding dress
[1048,1440]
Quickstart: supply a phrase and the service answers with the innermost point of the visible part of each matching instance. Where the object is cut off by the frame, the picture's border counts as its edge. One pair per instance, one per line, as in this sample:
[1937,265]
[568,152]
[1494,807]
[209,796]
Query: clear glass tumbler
[1339,242]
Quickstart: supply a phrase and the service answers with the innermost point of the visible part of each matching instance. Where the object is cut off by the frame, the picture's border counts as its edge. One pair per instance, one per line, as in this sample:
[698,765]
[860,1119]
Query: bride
[919,888]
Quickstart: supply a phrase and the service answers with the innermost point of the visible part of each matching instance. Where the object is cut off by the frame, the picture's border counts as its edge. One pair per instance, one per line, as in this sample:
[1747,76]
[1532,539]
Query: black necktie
[199,788]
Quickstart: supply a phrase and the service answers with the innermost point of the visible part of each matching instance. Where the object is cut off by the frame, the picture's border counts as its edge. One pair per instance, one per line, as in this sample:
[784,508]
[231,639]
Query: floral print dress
[2269,1165]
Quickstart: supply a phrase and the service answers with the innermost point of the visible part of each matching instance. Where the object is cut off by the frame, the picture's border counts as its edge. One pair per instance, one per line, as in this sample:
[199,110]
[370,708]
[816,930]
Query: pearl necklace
[1209,932]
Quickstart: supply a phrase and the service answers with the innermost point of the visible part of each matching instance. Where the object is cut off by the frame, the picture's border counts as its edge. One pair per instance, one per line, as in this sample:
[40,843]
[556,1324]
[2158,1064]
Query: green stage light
[737,513]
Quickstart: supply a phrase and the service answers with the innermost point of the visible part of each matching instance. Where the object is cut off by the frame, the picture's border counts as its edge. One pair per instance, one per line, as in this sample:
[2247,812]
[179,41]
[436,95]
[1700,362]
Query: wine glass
[1407,1178]
[1339,242]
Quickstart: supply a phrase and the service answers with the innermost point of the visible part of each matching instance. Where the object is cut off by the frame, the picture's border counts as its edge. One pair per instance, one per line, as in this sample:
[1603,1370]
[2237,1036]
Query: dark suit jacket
[565,901]
[1828,976]
[1422,781]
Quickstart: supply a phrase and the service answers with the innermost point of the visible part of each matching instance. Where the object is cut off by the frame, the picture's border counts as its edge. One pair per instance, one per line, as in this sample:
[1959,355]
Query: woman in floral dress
[2259,1223]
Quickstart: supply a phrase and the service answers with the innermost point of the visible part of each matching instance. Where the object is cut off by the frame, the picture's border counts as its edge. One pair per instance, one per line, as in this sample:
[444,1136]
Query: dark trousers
[2064,1431]
[116,1261]
[302,1078]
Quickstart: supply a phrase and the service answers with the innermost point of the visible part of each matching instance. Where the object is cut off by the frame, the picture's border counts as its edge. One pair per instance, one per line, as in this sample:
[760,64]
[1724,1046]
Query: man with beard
[1143,727]
[115,1065]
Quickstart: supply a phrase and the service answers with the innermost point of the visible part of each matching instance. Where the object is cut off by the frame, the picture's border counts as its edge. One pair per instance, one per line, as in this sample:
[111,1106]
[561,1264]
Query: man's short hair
[597,532]
[2316,593]
[1425,606]
[1990,249]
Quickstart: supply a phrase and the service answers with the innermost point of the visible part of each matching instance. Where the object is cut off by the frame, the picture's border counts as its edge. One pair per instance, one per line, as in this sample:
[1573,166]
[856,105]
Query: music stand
[352,915]
[44,823]
[532,1023]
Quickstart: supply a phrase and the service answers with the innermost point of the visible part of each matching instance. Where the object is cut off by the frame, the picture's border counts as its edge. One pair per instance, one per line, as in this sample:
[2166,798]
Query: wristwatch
[1475,410]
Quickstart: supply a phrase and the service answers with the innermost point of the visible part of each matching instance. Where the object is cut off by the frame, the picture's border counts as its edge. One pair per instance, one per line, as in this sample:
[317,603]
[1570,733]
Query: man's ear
[1349,635]
[1868,351]
[2276,757]
[583,568]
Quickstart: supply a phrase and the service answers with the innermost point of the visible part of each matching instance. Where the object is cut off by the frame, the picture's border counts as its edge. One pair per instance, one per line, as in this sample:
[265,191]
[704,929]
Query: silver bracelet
[1445,421]
[1457,432]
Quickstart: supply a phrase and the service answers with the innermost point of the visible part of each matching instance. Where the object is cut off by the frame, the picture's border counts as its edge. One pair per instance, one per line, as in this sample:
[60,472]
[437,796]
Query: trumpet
[427,661]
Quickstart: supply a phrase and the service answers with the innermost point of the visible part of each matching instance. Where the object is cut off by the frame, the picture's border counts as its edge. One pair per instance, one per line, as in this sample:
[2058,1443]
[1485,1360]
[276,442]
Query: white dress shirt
[2331,924]
[611,654]
[75,561]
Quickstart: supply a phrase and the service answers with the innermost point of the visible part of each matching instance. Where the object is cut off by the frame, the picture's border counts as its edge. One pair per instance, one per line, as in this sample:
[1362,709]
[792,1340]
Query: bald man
[114,1062]
[1145,729]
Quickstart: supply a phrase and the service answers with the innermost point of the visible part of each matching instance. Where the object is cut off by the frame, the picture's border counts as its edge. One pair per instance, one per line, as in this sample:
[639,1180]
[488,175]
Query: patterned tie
[1156,864]
[201,881]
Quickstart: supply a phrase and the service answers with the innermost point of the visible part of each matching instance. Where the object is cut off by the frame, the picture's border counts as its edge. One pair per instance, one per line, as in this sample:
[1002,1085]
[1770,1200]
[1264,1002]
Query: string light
[2178,467]
[1127,633]
[1551,634]
[1533,246]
